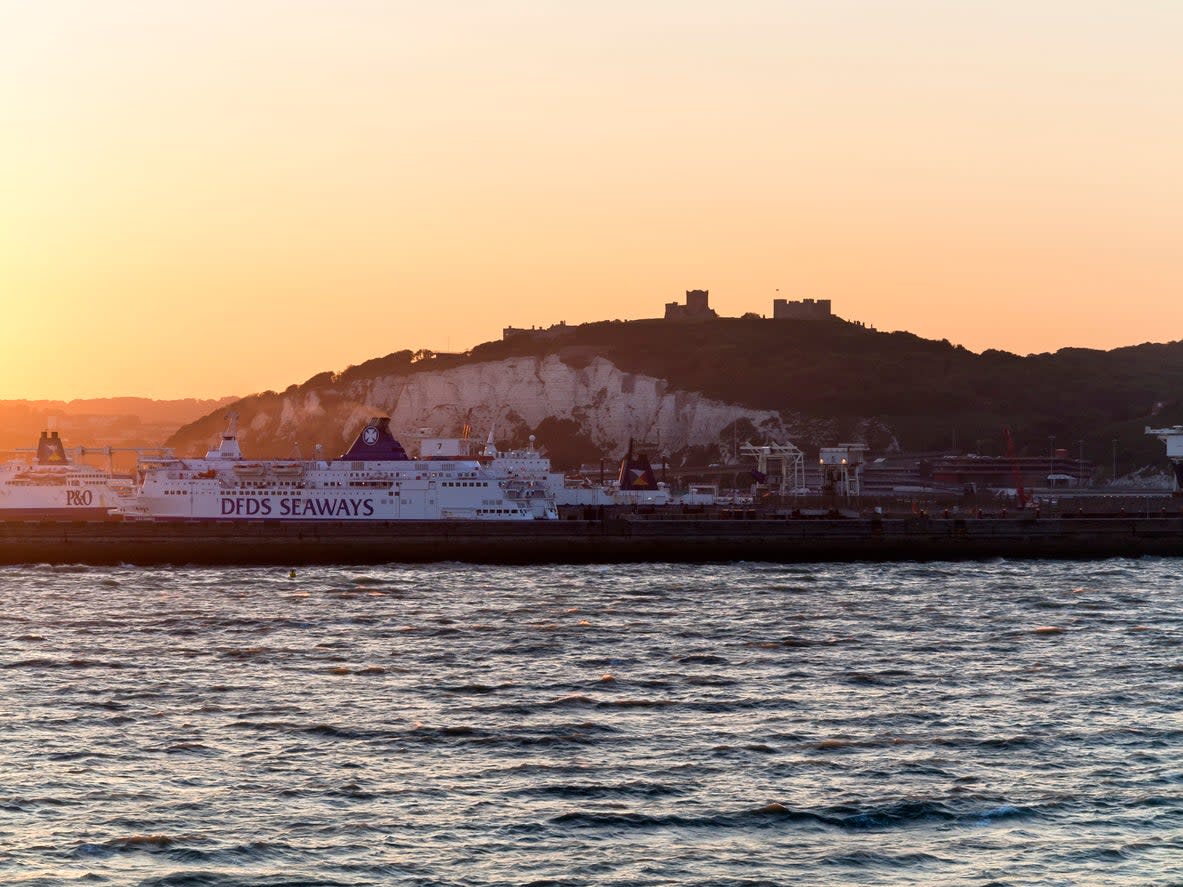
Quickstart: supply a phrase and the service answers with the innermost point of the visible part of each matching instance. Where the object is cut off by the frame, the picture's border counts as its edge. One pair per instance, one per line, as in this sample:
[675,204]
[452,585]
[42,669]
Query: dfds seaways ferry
[373,480]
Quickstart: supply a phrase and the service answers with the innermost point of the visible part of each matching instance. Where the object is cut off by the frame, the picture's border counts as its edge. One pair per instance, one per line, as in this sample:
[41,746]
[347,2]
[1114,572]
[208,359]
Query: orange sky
[222,197]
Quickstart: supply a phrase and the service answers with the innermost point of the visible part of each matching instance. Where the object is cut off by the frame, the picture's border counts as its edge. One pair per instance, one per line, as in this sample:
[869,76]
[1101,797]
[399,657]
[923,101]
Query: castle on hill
[698,307]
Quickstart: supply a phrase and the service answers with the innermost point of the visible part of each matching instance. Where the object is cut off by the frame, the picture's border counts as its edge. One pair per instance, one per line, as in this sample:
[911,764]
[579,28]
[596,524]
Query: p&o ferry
[373,481]
[52,487]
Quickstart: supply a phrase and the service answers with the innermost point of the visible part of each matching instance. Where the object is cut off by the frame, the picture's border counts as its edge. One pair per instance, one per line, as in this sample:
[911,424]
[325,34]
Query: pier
[616,539]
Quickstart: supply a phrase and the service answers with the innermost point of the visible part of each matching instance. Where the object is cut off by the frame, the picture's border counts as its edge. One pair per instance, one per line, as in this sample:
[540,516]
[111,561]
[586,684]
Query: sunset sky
[210,198]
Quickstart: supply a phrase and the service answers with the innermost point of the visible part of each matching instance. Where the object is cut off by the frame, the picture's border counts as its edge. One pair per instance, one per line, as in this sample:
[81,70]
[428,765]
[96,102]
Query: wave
[475,688]
[589,791]
[872,859]
[44,662]
[214,879]
[130,843]
[635,703]
[888,816]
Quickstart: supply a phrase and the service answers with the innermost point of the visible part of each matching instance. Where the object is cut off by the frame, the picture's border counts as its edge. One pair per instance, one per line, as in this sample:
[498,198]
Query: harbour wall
[611,540]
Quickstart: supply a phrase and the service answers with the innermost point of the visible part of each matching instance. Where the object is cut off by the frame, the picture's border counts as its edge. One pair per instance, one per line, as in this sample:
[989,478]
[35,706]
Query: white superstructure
[373,480]
[51,487]
[530,474]
[1173,438]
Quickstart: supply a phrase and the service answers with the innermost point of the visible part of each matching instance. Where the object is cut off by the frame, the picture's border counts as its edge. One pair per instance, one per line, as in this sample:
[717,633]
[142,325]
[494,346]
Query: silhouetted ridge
[827,383]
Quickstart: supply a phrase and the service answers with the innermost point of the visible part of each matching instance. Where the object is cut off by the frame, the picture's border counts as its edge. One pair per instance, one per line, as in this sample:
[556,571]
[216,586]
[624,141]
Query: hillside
[692,388]
[94,422]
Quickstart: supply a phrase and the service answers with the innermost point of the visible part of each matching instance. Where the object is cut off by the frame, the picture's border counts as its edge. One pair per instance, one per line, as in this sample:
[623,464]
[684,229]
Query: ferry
[52,487]
[373,481]
[530,471]
[525,473]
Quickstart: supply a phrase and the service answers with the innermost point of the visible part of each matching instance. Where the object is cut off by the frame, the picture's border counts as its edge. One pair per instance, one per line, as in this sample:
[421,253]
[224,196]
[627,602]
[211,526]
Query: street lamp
[1080,463]
[1115,458]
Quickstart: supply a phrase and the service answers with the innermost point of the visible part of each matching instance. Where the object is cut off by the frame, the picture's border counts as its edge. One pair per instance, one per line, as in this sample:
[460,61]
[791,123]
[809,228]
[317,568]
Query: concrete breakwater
[611,540]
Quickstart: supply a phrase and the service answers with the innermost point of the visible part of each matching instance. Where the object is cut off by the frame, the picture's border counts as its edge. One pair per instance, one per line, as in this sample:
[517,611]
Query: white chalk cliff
[610,405]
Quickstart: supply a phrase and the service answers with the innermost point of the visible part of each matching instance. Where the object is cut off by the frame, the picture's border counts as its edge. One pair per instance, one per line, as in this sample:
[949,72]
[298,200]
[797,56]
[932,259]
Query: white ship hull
[529,469]
[374,481]
[188,498]
[70,498]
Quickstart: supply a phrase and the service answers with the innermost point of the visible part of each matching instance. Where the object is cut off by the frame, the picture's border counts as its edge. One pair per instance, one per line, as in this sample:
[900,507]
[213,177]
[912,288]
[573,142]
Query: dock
[617,539]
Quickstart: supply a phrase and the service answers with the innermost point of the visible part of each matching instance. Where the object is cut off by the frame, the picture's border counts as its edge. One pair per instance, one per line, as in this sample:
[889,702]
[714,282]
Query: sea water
[997,723]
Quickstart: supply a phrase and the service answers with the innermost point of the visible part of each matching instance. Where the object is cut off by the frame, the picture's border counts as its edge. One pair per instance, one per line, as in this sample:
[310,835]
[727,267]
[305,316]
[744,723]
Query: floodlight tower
[843,466]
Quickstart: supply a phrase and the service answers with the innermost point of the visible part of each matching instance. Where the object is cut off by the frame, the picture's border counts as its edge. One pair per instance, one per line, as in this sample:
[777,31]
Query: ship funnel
[490,450]
[50,450]
[228,447]
[375,443]
[635,471]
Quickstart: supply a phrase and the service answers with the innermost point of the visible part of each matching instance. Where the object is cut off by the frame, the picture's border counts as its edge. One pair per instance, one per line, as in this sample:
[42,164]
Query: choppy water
[996,724]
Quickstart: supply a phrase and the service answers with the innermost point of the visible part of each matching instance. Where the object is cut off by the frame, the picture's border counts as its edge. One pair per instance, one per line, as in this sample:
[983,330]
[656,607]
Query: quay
[614,539]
